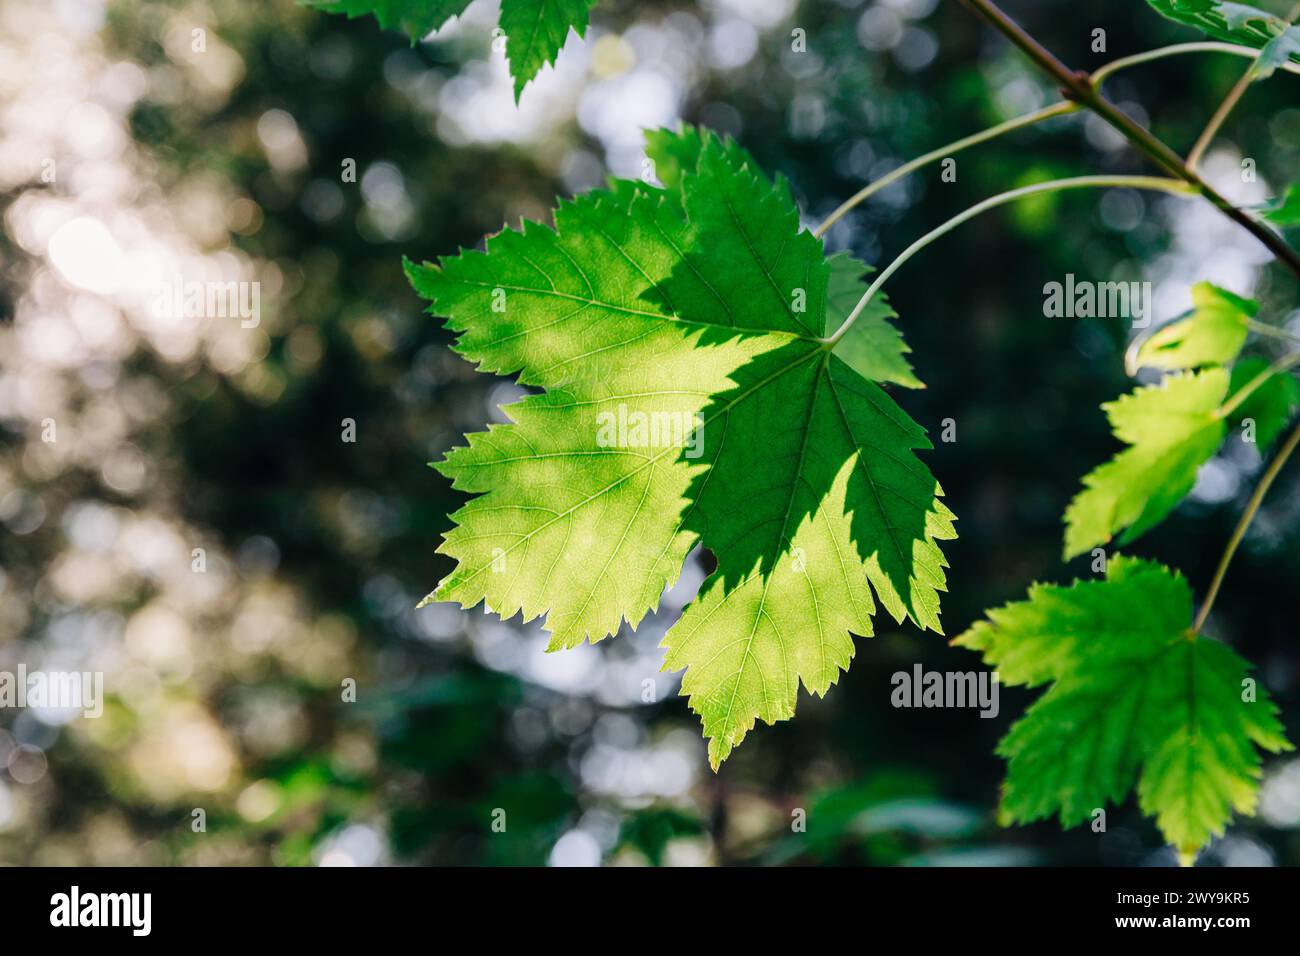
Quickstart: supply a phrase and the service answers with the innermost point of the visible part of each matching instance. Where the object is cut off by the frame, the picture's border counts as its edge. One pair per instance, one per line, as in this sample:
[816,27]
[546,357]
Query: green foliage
[1173,428]
[1270,405]
[535,29]
[702,310]
[1142,699]
[1241,24]
[703,303]
[887,818]
[415,18]
[1212,334]
[1136,699]
[1177,426]
[1286,211]
[651,830]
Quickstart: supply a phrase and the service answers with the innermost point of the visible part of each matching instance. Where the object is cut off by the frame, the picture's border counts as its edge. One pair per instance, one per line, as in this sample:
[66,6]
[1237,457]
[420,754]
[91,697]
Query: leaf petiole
[1256,499]
[1263,328]
[1063,108]
[1157,183]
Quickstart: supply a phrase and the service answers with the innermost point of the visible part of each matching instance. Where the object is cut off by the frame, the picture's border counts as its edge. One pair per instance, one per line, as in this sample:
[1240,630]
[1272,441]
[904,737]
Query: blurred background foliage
[466,744]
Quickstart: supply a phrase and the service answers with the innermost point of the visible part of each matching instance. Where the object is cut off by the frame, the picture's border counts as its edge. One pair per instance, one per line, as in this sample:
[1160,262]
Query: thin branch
[1131,365]
[1220,115]
[1063,108]
[1243,523]
[1161,184]
[1028,119]
[1077,85]
[1263,328]
[1102,73]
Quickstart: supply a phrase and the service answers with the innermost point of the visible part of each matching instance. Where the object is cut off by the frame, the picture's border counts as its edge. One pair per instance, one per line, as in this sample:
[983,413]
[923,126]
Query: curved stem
[1102,73]
[1028,119]
[1281,365]
[1158,183]
[1063,108]
[1078,86]
[1243,523]
[1229,103]
[1220,115]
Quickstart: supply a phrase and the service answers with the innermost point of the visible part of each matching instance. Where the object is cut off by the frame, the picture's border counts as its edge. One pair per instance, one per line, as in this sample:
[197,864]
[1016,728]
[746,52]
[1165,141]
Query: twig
[1229,102]
[1077,85]
[1243,523]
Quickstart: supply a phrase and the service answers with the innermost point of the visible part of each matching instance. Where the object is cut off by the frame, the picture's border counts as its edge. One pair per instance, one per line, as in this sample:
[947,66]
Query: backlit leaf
[689,396]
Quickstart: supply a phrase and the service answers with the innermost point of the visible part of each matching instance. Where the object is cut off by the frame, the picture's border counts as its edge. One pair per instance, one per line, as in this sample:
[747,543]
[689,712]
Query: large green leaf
[1241,24]
[703,303]
[535,30]
[1173,428]
[1136,699]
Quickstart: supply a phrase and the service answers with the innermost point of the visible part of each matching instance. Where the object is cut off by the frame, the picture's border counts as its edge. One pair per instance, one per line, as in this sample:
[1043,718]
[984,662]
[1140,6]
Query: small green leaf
[535,30]
[1212,334]
[1136,700]
[1174,428]
[872,347]
[1270,405]
[1237,23]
